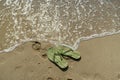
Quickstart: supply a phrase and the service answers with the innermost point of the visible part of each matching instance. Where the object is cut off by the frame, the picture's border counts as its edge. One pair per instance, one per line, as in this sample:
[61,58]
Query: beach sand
[100,60]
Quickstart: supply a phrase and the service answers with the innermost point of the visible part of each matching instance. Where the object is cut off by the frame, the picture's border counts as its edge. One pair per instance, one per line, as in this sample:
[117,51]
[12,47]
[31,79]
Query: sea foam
[61,22]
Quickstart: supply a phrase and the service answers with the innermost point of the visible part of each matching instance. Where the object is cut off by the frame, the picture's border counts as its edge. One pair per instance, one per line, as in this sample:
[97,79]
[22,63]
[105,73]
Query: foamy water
[65,22]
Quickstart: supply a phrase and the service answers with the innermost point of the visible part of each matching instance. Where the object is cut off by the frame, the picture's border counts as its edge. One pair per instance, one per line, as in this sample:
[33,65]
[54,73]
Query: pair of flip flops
[55,54]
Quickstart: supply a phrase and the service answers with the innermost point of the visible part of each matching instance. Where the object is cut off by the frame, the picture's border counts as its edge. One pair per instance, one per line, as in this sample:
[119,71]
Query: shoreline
[75,46]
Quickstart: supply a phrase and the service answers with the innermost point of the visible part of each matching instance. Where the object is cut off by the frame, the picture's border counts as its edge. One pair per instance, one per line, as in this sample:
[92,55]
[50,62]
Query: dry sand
[100,61]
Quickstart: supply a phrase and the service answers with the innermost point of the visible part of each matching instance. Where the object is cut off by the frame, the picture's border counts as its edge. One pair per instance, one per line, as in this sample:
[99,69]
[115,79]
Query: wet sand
[100,61]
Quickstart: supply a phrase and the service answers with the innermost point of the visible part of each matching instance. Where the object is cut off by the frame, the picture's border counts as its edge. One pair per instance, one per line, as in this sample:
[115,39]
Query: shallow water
[64,22]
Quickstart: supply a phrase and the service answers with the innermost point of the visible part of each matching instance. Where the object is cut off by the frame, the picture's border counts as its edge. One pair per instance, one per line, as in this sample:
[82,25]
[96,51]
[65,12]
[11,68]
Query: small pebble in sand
[38,63]
[69,79]
[44,55]
[50,78]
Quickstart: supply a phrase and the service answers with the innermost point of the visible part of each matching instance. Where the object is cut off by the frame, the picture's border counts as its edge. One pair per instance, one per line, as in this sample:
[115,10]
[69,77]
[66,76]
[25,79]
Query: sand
[100,60]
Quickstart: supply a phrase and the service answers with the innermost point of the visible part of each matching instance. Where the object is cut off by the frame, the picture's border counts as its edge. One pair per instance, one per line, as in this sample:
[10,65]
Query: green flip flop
[54,55]
[70,53]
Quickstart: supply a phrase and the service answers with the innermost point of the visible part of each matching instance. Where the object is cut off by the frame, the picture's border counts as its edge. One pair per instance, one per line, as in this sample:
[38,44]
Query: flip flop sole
[56,58]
